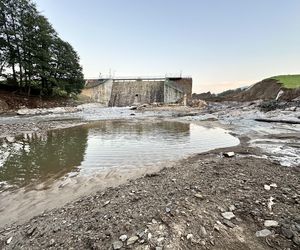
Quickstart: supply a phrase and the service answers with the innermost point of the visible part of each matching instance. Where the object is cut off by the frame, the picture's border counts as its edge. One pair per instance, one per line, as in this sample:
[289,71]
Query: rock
[263,233]
[274,185]
[160,239]
[132,240]
[168,210]
[271,223]
[123,237]
[10,139]
[199,196]
[296,239]
[267,187]
[286,232]
[189,236]
[9,240]
[52,242]
[228,215]
[270,203]
[133,108]
[228,223]
[203,231]
[228,154]
[117,245]
[106,203]
[232,208]
[30,231]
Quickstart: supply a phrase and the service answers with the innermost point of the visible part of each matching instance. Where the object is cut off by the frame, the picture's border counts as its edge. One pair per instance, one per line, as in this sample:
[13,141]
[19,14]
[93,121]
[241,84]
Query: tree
[32,52]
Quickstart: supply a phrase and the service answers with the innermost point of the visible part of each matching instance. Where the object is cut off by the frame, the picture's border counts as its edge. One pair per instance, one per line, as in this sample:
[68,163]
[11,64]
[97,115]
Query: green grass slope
[288,81]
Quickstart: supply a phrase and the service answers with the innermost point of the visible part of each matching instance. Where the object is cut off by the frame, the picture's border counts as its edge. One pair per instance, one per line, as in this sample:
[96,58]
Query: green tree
[32,52]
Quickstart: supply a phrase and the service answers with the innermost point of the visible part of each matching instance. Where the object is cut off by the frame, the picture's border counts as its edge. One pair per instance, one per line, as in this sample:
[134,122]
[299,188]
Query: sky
[222,44]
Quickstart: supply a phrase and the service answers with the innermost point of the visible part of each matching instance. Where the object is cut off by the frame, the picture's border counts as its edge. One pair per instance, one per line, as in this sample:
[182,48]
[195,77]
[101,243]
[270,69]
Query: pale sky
[220,43]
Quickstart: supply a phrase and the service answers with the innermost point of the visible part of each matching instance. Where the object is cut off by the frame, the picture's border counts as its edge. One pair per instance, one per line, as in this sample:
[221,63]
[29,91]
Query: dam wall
[126,93]
[133,91]
[98,91]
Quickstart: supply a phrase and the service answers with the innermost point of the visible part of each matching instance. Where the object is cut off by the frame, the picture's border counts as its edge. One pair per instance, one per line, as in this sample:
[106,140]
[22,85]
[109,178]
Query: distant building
[122,92]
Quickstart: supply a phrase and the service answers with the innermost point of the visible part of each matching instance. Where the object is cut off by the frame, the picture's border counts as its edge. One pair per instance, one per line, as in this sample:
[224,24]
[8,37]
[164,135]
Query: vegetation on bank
[32,55]
[288,81]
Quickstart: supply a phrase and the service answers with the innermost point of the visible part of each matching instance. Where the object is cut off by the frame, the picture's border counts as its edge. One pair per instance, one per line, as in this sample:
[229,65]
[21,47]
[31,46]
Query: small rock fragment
[267,187]
[274,185]
[263,233]
[123,237]
[9,240]
[117,245]
[271,223]
[228,223]
[132,240]
[270,203]
[160,239]
[199,196]
[52,242]
[168,210]
[189,236]
[228,154]
[296,239]
[232,208]
[106,203]
[288,233]
[228,215]
[203,231]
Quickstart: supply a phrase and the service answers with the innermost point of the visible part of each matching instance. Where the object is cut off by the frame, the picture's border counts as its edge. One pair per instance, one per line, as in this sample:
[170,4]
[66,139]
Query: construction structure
[127,91]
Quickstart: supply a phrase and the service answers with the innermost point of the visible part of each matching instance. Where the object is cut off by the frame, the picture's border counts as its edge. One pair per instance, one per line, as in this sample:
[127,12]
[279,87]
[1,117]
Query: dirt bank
[10,102]
[178,208]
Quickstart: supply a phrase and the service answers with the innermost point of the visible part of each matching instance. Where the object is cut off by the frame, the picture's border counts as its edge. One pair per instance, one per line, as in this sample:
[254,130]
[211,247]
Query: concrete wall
[122,93]
[183,84]
[126,93]
[171,93]
[99,93]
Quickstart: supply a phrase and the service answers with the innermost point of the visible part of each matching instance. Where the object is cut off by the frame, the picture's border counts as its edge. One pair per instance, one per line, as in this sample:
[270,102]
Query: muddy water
[87,150]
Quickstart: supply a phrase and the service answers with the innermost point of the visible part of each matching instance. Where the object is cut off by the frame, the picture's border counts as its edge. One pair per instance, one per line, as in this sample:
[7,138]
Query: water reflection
[35,158]
[87,149]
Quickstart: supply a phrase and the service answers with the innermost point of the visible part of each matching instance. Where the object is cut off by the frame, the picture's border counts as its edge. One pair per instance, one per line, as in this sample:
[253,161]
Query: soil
[10,102]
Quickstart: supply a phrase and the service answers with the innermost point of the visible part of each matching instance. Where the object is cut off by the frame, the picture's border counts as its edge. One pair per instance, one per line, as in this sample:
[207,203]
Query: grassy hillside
[288,81]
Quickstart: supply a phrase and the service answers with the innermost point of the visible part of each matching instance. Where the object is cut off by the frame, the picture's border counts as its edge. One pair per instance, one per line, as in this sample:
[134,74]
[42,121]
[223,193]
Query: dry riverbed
[206,201]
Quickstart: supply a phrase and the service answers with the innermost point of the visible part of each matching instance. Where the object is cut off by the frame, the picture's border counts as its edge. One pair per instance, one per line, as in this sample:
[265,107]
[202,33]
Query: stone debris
[270,204]
[106,203]
[228,215]
[229,154]
[9,240]
[263,233]
[123,237]
[189,236]
[132,240]
[271,223]
[232,208]
[267,187]
[117,245]
[199,196]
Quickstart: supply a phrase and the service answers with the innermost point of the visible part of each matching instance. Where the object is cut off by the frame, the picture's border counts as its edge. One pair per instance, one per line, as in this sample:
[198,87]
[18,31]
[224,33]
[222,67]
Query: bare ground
[177,208]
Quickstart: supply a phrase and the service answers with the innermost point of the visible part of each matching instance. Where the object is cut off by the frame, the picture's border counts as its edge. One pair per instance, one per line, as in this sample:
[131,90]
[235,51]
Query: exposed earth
[207,201]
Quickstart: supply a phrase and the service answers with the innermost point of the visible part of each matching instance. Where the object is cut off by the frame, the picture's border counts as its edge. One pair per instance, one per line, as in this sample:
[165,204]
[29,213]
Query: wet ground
[218,183]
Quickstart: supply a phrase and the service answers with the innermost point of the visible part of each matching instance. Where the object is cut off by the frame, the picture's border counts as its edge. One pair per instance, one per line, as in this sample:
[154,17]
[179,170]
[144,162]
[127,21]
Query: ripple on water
[101,145]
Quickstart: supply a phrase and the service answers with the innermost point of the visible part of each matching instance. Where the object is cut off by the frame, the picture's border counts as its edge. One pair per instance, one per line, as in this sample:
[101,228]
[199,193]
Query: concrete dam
[120,92]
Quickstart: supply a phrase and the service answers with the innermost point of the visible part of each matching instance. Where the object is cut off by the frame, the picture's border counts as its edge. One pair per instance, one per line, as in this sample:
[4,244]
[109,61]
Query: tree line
[32,55]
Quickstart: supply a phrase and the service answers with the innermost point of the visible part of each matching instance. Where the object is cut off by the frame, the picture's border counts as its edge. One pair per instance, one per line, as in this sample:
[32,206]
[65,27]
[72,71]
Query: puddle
[89,149]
